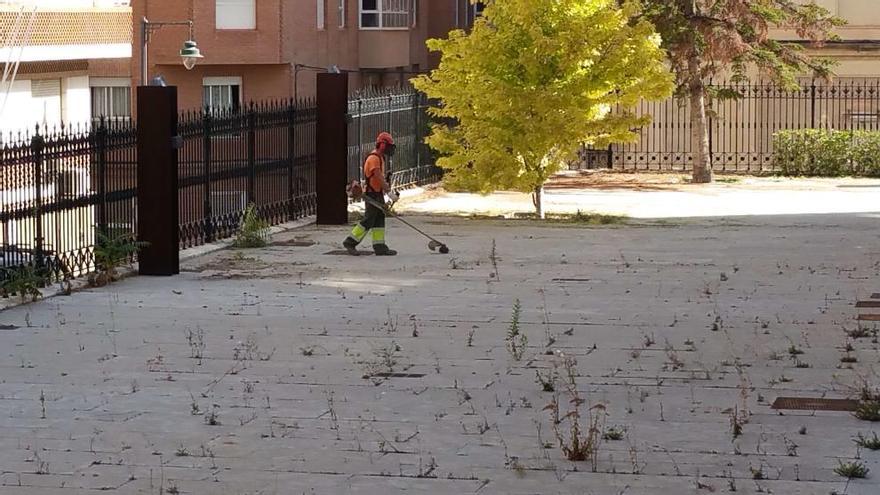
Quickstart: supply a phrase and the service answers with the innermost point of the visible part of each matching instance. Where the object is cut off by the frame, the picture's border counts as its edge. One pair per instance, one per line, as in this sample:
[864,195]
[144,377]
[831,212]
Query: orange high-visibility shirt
[374,171]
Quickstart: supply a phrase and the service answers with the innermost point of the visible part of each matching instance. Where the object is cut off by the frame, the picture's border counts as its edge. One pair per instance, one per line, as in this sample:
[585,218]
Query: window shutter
[236,14]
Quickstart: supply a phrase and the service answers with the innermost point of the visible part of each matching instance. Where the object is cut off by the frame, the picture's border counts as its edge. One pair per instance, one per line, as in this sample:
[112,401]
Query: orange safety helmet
[385,144]
[384,137]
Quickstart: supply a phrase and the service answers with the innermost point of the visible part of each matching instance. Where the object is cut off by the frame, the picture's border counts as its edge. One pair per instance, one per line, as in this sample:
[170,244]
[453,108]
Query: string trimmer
[434,245]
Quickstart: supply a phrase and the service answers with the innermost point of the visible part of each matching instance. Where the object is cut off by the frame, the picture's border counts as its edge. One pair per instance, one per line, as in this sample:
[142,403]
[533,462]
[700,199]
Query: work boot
[350,245]
[383,250]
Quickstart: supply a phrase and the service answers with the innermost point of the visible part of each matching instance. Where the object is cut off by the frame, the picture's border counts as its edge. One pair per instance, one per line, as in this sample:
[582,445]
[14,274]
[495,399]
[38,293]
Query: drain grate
[869,317]
[571,280]
[815,404]
[868,304]
[397,375]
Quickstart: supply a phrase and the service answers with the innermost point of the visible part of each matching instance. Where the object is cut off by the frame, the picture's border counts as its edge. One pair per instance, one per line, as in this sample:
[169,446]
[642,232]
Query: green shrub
[111,253]
[827,153]
[253,231]
[866,153]
[24,282]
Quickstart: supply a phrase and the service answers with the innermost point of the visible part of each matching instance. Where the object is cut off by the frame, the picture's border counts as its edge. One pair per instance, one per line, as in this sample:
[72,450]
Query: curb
[80,284]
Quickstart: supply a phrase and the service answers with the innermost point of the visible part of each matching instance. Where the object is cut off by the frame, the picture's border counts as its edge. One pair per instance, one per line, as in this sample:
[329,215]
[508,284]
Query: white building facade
[63,62]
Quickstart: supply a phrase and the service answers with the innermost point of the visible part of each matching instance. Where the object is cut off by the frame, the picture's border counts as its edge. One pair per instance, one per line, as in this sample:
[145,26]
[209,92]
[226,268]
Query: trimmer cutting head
[436,245]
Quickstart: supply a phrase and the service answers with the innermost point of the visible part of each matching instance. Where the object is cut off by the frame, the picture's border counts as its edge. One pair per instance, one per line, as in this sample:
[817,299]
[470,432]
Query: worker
[376,187]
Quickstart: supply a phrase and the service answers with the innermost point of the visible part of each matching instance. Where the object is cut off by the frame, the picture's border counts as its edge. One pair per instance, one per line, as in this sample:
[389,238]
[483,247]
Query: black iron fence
[263,155]
[403,113]
[741,130]
[58,188]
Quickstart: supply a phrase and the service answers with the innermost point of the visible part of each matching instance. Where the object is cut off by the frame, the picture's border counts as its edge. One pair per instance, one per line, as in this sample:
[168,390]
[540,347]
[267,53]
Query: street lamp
[189,53]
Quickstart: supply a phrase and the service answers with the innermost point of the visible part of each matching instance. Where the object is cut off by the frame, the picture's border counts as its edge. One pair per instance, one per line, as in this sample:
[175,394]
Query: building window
[340,10]
[385,14]
[111,100]
[221,94]
[322,15]
[46,97]
[236,14]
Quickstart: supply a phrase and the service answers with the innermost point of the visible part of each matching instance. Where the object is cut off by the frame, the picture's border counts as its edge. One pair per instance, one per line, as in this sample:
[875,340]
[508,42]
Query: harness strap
[369,187]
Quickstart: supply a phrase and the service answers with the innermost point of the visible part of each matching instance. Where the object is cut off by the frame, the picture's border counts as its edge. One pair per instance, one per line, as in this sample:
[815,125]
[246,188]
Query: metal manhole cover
[815,404]
[342,252]
[868,304]
[397,375]
[869,317]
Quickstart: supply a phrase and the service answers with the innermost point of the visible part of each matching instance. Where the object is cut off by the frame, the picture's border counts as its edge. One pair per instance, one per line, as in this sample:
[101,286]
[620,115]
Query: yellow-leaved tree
[533,80]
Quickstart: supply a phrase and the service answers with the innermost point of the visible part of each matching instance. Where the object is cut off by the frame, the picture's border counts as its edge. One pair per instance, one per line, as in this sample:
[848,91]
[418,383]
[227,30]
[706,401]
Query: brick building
[260,49]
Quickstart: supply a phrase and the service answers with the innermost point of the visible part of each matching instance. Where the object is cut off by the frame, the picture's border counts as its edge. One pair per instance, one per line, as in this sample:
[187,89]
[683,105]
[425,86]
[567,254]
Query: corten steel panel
[157,181]
[332,148]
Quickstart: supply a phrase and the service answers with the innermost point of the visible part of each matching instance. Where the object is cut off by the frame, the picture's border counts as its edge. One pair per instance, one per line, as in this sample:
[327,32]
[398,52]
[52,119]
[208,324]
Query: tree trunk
[699,125]
[538,200]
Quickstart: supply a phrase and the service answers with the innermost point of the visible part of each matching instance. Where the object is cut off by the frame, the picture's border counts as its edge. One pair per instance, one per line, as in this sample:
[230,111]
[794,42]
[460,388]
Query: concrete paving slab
[284,370]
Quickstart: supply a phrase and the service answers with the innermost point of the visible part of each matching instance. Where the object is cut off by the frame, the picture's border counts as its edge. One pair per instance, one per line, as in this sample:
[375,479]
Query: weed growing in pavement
[196,341]
[861,332]
[24,282]
[111,253]
[549,338]
[790,447]
[548,382]
[849,358]
[516,340]
[331,411]
[851,470]
[675,362]
[392,322]
[614,433]
[493,257]
[213,417]
[581,441]
[870,443]
[868,410]
[736,423]
[757,473]
[253,231]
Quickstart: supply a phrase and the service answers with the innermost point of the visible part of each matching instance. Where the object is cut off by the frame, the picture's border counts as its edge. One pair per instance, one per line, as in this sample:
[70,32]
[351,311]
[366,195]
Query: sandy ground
[665,196]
